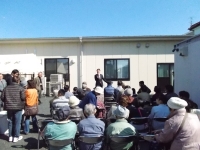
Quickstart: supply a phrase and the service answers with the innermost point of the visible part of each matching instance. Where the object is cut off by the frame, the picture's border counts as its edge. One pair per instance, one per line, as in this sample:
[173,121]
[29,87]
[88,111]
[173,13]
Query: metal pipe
[81,62]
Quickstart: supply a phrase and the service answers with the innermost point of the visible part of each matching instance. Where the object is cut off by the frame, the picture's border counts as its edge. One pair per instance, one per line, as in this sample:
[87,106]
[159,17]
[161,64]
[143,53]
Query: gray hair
[89,109]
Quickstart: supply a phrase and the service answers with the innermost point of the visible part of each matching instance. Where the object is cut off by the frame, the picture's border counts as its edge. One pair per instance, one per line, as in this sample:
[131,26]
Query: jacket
[188,137]
[13,97]
[31,97]
[76,112]
[37,83]
[99,81]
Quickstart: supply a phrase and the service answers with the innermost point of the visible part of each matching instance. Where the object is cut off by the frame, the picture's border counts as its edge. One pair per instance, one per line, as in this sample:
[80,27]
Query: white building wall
[143,61]
[187,72]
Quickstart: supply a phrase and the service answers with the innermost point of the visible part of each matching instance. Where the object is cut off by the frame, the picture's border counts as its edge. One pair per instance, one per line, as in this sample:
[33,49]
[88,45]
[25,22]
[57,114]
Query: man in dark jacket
[141,83]
[99,79]
[13,97]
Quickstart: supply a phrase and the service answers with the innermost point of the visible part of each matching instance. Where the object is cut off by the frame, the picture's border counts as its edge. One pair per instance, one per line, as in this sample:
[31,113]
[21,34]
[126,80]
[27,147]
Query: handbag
[31,110]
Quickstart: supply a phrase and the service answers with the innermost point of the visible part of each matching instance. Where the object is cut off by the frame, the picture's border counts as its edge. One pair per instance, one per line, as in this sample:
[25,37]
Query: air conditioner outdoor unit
[54,78]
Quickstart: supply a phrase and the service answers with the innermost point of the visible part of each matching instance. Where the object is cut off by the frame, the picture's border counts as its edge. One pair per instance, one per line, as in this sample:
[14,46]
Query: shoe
[10,139]
[16,139]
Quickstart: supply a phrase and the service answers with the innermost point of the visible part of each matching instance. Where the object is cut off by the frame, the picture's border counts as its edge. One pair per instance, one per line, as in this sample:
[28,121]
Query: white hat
[73,101]
[128,92]
[120,111]
[99,90]
[176,103]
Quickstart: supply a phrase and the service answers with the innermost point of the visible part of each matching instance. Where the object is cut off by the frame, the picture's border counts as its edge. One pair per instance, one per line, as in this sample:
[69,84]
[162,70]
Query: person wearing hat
[75,110]
[91,98]
[62,128]
[120,127]
[182,128]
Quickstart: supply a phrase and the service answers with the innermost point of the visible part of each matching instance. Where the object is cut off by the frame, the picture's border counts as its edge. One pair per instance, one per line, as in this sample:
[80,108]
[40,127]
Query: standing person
[91,97]
[99,78]
[13,97]
[141,83]
[90,127]
[15,73]
[31,100]
[39,86]
[3,84]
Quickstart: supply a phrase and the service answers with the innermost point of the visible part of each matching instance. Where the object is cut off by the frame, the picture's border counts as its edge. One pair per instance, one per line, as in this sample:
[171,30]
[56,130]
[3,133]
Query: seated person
[157,91]
[67,92]
[129,92]
[61,100]
[160,111]
[137,110]
[90,127]
[75,91]
[123,102]
[62,128]
[91,97]
[170,92]
[75,110]
[144,95]
[141,83]
[119,91]
[109,91]
[120,127]
[186,96]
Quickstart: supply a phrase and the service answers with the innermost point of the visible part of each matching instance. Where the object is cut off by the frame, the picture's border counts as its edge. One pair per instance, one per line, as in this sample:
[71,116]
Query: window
[117,69]
[57,66]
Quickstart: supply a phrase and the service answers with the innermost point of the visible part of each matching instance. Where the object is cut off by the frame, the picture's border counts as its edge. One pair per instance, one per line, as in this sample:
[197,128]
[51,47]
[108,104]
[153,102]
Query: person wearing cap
[121,128]
[123,102]
[187,125]
[91,98]
[62,128]
[90,127]
[75,110]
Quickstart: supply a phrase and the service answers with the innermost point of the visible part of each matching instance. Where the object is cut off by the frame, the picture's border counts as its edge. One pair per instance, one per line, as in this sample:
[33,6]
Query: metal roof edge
[94,39]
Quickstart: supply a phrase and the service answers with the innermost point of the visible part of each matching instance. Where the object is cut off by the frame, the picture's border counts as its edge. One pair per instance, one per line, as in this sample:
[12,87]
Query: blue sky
[74,18]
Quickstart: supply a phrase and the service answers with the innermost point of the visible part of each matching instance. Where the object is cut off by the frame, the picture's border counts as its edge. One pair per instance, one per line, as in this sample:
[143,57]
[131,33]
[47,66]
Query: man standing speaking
[99,79]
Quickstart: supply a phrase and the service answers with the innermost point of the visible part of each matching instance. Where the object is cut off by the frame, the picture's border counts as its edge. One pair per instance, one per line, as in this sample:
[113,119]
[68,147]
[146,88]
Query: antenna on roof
[191,19]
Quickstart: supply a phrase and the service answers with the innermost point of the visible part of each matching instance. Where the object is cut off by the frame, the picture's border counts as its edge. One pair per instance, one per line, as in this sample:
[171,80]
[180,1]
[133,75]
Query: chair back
[42,123]
[75,119]
[91,140]
[160,119]
[139,120]
[59,143]
[121,139]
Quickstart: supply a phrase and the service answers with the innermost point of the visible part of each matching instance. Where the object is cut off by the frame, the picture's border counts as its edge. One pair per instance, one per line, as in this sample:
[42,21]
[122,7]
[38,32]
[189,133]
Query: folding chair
[60,143]
[124,139]
[91,140]
[75,119]
[109,104]
[140,121]
[163,119]
[41,125]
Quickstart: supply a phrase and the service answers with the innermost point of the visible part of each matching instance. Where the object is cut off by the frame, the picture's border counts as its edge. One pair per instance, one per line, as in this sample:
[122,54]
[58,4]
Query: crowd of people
[96,118]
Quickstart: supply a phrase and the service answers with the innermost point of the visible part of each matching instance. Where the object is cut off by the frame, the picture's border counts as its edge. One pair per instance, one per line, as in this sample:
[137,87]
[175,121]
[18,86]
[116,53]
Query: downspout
[81,62]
